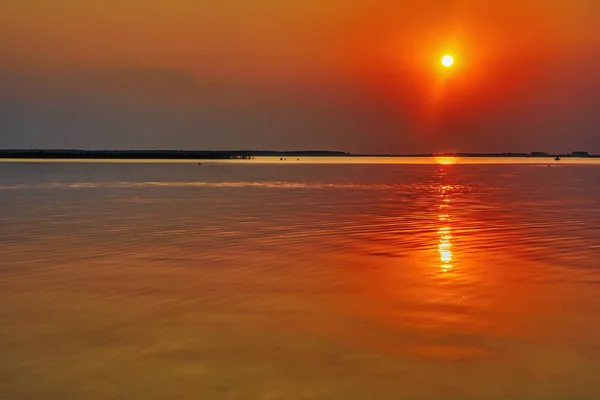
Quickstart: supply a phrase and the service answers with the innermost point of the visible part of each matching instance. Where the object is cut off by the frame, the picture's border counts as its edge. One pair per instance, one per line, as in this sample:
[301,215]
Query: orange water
[225,281]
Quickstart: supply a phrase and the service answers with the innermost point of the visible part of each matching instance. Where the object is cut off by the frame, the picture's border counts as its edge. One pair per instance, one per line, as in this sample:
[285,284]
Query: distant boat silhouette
[557,158]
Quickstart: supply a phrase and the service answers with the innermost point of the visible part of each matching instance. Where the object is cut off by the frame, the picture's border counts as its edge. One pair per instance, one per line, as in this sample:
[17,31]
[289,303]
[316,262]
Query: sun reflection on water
[445,160]
[445,247]
[445,230]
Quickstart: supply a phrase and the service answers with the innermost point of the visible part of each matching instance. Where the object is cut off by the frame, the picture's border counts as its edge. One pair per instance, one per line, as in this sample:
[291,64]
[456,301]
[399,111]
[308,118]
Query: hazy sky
[352,75]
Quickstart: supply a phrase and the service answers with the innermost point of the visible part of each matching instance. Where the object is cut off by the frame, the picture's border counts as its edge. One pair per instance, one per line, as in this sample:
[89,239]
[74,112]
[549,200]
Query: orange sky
[264,33]
[390,49]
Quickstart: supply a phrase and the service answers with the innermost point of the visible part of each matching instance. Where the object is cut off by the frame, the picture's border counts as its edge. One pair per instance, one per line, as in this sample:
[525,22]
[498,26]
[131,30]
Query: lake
[300,280]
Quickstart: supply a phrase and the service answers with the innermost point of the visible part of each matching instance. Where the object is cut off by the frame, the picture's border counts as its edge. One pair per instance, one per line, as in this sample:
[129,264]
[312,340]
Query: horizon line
[439,154]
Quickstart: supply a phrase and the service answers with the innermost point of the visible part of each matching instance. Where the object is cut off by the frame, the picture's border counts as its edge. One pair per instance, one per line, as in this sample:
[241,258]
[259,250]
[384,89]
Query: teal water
[237,281]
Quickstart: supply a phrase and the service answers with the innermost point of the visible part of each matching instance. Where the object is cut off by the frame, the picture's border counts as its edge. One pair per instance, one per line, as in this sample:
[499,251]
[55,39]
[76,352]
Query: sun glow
[445,160]
[447,61]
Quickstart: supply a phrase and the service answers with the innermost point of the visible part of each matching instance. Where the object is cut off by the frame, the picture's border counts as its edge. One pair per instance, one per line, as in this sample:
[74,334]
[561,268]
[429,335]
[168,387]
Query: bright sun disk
[447,61]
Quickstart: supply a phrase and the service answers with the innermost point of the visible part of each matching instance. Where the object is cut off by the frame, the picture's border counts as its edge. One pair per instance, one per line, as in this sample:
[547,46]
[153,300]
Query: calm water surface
[174,281]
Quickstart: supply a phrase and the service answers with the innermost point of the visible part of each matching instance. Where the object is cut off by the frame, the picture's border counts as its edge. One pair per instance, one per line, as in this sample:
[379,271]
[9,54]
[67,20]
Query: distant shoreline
[240,154]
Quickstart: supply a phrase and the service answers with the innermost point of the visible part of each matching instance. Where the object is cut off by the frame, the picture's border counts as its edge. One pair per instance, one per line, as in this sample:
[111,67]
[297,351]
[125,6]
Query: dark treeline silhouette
[114,154]
[578,154]
[240,154]
[155,154]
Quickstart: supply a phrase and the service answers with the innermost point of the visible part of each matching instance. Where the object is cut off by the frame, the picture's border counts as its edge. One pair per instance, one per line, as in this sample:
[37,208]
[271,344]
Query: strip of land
[240,154]
[158,154]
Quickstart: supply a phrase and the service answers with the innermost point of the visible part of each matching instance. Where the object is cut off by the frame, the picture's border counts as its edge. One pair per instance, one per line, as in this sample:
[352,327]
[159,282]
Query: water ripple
[415,280]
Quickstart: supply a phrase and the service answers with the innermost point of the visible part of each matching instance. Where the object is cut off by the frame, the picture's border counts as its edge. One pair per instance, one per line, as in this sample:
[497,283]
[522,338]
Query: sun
[447,61]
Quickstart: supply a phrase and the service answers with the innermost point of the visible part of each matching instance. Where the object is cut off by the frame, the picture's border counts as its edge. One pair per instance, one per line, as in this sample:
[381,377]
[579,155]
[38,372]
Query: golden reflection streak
[445,231]
[445,160]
